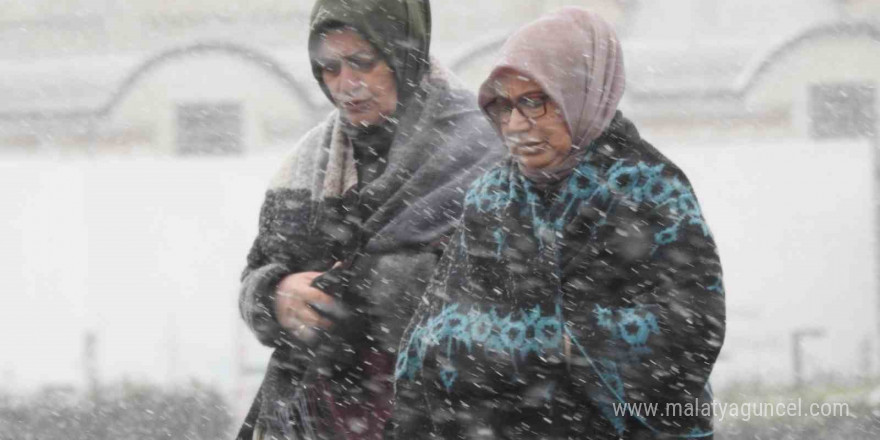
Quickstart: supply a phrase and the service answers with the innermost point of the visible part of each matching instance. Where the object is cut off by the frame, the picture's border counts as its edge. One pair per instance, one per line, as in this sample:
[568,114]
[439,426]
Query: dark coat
[389,235]
[552,308]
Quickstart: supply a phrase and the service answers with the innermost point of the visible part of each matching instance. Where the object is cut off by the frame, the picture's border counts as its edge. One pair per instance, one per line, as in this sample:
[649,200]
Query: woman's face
[530,122]
[360,82]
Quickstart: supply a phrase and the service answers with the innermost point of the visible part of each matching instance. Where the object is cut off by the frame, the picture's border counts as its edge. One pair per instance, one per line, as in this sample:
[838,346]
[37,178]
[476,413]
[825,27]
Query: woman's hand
[293,297]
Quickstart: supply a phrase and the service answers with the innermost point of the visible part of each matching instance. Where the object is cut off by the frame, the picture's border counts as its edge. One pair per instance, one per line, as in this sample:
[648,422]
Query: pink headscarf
[575,57]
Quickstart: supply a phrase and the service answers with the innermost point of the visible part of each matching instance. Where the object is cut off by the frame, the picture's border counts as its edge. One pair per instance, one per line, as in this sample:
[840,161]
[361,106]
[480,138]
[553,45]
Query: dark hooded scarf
[386,224]
[556,305]
[401,33]
[400,30]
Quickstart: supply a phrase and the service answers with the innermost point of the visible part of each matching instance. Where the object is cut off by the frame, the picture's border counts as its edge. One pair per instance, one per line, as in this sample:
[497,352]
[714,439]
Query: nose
[348,80]
[518,123]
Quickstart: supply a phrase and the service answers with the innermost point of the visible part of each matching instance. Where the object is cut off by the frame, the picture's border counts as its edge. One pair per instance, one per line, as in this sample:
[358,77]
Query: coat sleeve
[260,277]
[281,247]
[645,303]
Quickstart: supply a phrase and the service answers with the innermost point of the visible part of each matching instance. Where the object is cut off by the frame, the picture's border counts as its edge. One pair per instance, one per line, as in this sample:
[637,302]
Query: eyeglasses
[532,106]
[359,62]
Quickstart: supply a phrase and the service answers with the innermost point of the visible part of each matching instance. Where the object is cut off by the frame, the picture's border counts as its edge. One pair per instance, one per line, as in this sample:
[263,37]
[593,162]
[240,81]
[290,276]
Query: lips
[357,106]
[527,148]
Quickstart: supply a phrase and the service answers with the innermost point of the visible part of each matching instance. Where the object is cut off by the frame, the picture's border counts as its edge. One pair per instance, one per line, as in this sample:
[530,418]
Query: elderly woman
[583,276]
[355,218]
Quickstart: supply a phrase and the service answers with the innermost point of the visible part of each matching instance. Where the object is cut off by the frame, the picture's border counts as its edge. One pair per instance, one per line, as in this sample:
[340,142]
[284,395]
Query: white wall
[795,225]
[148,252]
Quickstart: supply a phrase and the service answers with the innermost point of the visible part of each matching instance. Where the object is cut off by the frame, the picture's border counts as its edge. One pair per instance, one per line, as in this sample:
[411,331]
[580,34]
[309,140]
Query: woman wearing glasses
[583,277]
[354,219]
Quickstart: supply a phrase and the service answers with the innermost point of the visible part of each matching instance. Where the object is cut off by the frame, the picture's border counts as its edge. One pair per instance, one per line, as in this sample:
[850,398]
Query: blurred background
[137,138]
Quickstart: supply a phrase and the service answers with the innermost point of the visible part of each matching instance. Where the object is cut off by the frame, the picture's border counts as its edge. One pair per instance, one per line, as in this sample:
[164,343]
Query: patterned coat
[552,309]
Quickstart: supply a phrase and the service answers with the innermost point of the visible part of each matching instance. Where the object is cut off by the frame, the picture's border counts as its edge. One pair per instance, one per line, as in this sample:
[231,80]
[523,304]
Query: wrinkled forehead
[342,41]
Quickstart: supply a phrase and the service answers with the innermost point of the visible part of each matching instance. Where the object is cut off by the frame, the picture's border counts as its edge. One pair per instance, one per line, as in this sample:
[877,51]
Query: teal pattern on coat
[504,333]
[638,183]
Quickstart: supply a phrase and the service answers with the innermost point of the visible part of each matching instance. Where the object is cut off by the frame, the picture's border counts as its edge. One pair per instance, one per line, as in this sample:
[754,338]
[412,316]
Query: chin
[532,164]
[363,120]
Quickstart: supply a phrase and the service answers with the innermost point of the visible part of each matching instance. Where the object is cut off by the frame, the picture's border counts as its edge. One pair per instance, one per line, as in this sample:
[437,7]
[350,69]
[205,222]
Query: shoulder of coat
[298,164]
